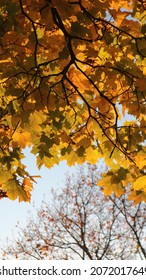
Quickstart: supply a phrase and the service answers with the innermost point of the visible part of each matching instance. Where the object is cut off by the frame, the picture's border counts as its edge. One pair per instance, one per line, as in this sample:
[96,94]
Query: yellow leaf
[137,198]
[140,183]
[21,139]
[14,191]
[84,142]
[92,155]
[116,5]
[110,184]
[72,158]
[27,185]
[140,160]
[105,183]
[36,119]
[120,17]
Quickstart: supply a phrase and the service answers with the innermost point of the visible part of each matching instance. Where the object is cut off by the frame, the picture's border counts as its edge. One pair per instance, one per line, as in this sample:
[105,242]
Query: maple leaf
[140,183]
[22,139]
[14,190]
[111,183]
[137,196]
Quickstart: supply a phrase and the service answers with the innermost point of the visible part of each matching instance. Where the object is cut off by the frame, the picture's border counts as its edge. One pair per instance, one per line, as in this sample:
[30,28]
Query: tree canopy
[70,71]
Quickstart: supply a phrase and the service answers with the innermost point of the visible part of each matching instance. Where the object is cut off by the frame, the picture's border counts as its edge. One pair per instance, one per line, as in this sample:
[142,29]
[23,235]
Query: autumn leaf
[140,183]
[14,191]
[140,160]
[21,139]
[137,196]
[27,185]
[111,183]
[92,155]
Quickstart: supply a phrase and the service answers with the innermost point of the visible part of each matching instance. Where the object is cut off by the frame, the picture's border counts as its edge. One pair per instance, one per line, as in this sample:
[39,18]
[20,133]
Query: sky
[13,211]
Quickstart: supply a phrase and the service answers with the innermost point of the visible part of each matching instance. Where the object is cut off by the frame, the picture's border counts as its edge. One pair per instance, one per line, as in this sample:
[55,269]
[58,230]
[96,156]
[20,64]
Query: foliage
[70,72]
[81,223]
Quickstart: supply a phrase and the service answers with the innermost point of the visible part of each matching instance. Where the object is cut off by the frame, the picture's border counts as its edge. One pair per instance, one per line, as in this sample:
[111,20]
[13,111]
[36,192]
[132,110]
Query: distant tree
[81,223]
[70,71]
